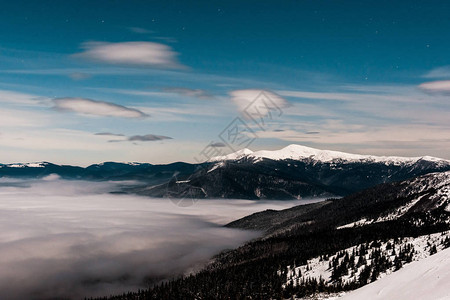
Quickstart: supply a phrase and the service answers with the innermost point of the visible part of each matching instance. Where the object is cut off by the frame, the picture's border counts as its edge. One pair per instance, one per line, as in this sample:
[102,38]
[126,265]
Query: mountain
[322,249]
[148,173]
[294,172]
[298,152]
[384,202]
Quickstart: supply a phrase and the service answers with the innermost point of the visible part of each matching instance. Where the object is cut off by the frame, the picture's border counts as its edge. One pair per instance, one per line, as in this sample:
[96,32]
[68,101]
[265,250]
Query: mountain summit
[294,172]
[299,152]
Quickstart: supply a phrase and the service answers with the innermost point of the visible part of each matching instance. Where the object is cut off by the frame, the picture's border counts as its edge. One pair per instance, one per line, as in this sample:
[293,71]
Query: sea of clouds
[74,239]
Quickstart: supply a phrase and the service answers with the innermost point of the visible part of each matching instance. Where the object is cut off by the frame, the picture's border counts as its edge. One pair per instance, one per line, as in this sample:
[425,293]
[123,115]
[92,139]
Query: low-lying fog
[72,239]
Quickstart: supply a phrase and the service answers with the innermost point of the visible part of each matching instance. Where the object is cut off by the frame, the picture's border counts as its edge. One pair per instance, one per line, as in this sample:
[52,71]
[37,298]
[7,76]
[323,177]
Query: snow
[298,152]
[29,165]
[425,279]
[236,155]
[361,222]
[183,181]
[316,268]
[439,183]
[218,165]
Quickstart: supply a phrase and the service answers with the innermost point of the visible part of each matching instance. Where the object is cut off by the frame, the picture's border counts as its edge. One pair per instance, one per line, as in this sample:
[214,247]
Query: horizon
[157,82]
[212,158]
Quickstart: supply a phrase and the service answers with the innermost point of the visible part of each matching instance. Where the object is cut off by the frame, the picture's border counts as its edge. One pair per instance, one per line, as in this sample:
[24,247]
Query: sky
[84,82]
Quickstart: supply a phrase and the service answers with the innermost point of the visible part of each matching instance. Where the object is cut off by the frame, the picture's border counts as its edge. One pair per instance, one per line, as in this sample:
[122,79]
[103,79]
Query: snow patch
[320,268]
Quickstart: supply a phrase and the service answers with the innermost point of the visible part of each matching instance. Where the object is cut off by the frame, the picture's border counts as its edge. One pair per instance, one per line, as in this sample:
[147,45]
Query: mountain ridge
[300,152]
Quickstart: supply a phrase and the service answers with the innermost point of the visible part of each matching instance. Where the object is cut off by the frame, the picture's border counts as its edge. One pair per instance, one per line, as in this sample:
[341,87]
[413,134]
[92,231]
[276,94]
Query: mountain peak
[299,152]
[235,155]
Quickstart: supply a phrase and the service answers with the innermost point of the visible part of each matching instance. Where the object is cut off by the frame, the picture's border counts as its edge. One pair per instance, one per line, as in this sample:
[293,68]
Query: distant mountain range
[294,172]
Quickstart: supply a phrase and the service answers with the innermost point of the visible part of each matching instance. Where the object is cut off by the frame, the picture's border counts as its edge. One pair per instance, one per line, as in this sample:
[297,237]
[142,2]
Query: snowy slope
[320,268]
[26,165]
[425,279]
[298,152]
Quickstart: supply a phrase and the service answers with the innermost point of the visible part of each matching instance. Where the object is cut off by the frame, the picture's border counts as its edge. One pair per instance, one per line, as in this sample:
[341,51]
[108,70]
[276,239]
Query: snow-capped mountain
[294,172]
[25,165]
[298,152]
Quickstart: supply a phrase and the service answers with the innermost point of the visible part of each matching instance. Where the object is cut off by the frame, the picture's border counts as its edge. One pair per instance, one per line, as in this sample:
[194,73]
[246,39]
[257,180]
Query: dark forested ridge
[246,178]
[243,178]
[260,268]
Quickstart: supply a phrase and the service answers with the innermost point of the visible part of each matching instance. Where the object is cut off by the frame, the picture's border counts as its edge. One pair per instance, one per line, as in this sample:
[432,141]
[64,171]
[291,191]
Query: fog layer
[73,239]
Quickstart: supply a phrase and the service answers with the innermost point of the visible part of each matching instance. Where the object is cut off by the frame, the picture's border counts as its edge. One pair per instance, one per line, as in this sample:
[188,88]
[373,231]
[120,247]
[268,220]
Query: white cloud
[347,96]
[442,86]
[194,93]
[97,108]
[147,54]
[21,99]
[85,242]
[254,101]
[441,72]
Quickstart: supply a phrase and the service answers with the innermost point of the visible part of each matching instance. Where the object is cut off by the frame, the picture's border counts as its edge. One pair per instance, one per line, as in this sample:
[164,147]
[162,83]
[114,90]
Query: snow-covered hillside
[298,152]
[427,279]
[432,190]
[350,265]
[26,165]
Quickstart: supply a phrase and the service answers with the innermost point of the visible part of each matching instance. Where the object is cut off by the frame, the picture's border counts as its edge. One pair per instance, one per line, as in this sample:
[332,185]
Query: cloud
[258,102]
[20,99]
[97,108]
[441,72]
[146,54]
[84,242]
[218,145]
[79,76]
[439,87]
[194,93]
[134,138]
[140,30]
[109,134]
[148,138]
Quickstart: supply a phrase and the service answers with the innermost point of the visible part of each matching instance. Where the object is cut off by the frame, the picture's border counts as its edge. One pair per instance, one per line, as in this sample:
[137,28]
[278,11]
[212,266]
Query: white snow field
[427,279]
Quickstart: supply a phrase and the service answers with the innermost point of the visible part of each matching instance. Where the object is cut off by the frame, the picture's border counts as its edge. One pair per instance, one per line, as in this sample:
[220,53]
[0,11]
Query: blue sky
[158,81]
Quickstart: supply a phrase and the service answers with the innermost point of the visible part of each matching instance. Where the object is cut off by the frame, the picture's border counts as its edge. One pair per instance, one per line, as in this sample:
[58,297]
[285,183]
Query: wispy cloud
[148,138]
[439,87]
[97,108]
[193,93]
[79,76]
[109,134]
[336,96]
[218,145]
[135,138]
[21,99]
[441,72]
[141,54]
[263,100]
[140,30]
